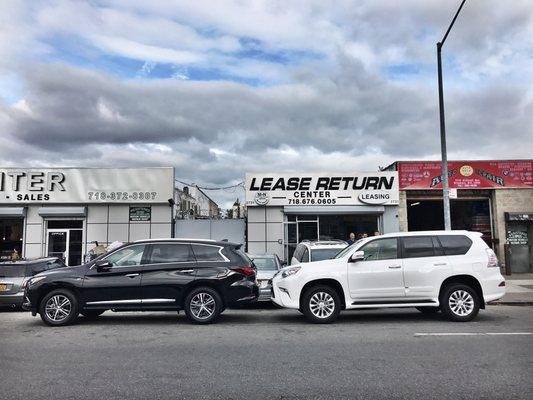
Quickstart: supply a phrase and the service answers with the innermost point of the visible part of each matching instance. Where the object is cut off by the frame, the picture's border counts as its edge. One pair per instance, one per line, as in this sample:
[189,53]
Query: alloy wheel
[203,305]
[461,303]
[58,308]
[322,305]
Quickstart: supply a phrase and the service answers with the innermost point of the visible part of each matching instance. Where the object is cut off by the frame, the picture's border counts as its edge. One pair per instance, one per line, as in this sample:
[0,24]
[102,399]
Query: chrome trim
[135,301]
[159,301]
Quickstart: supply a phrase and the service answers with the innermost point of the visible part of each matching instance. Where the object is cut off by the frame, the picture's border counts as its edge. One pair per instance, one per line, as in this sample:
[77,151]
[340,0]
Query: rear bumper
[492,290]
[16,299]
[242,292]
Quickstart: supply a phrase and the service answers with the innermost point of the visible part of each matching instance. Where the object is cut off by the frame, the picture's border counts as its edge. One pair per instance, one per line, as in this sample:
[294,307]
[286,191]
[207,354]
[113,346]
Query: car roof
[28,261]
[222,243]
[426,233]
[324,243]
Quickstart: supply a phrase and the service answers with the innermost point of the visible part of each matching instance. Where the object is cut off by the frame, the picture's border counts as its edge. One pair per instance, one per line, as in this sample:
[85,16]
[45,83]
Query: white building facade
[284,209]
[64,211]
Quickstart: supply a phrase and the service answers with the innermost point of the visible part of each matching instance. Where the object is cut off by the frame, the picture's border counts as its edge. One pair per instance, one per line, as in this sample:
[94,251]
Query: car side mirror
[357,256]
[103,265]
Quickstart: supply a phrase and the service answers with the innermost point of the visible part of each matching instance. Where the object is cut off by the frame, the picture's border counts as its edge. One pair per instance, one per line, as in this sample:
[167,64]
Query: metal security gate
[215,229]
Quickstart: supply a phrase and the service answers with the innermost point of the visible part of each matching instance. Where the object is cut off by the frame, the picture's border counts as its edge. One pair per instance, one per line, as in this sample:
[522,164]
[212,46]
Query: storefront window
[12,233]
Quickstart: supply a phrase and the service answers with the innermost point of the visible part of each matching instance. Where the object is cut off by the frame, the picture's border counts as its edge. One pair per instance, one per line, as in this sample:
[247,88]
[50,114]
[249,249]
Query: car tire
[92,313]
[428,310]
[321,304]
[59,308]
[203,305]
[460,303]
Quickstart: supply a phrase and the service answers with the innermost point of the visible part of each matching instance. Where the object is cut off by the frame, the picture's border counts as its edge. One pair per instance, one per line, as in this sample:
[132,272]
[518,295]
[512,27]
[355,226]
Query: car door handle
[395,266]
[440,264]
[187,271]
[131,275]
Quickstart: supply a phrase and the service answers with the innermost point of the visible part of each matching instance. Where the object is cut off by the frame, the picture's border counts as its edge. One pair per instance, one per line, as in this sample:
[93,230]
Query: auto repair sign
[427,175]
[370,188]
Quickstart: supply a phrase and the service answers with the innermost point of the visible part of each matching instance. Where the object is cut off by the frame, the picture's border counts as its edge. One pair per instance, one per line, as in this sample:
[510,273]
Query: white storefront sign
[367,188]
[86,185]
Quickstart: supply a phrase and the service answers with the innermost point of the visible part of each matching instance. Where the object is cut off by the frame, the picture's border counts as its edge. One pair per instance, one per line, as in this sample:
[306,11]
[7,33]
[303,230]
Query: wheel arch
[468,280]
[59,285]
[203,283]
[332,283]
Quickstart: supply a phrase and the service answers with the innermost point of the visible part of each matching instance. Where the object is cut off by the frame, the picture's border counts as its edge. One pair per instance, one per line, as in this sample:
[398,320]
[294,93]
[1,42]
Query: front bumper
[285,293]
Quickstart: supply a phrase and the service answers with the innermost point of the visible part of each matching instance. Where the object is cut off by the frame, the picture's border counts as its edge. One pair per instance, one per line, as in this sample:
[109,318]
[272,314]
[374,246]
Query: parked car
[450,271]
[316,250]
[15,274]
[267,266]
[200,276]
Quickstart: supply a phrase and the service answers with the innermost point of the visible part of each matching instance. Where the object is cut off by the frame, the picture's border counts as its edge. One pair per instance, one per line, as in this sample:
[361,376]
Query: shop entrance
[11,238]
[471,215]
[65,240]
[326,227]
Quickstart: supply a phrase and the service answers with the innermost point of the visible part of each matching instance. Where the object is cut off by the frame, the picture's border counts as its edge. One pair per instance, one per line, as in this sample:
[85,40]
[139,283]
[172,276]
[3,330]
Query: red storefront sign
[424,175]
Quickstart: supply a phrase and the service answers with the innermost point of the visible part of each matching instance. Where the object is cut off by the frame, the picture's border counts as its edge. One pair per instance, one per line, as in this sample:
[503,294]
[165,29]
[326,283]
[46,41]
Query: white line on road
[474,334]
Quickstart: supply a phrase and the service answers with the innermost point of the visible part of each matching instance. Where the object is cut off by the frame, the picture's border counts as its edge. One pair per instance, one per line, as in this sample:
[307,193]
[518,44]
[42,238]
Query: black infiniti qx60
[199,276]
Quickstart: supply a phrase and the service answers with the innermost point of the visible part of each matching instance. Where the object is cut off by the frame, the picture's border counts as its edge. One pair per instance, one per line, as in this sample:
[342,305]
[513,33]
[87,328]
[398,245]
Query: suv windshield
[347,249]
[324,254]
[265,263]
[12,271]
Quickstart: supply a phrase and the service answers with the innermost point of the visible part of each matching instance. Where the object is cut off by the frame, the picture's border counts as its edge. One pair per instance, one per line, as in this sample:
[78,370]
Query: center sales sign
[360,188]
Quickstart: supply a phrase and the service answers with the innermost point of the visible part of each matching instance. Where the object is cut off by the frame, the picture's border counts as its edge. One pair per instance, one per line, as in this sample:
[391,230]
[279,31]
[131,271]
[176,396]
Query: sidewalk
[519,290]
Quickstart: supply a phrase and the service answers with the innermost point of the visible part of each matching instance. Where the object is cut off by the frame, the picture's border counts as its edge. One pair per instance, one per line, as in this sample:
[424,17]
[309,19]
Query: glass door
[66,244]
[58,243]
[290,239]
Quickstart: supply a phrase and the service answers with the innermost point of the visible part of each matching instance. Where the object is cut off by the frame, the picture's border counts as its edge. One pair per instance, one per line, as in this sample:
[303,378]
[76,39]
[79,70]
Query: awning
[62,211]
[334,210]
[13,212]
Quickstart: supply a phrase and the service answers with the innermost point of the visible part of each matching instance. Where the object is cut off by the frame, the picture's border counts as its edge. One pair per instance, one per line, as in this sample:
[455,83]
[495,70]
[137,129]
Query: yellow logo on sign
[466,170]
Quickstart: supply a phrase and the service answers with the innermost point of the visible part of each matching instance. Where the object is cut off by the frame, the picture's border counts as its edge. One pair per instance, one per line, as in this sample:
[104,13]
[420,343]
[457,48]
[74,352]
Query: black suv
[201,276]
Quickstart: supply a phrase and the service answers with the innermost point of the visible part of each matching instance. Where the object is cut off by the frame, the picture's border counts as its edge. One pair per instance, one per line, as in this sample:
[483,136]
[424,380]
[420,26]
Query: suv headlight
[290,271]
[33,281]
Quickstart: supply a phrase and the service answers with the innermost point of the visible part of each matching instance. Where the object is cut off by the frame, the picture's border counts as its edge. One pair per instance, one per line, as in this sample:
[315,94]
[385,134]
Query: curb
[512,303]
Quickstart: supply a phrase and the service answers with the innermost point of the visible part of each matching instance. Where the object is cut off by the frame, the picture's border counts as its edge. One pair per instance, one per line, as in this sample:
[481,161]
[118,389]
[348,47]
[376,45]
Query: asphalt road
[269,353]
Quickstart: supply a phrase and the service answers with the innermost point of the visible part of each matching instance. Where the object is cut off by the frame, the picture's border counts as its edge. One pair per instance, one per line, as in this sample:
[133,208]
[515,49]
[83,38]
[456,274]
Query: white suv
[316,250]
[451,271]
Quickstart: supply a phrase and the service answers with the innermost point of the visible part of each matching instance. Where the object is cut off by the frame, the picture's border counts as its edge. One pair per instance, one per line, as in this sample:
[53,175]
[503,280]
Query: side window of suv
[305,255]
[418,246]
[126,257]
[207,253]
[455,245]
[170,253]
[298,252]
[381,249]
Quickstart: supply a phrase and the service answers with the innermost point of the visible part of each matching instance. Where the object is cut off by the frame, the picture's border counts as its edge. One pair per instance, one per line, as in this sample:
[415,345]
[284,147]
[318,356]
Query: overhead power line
[240,184]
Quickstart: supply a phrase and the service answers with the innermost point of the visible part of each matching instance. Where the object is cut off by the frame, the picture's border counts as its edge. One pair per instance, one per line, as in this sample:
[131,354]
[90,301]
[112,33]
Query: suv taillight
[246,271]
[493,260]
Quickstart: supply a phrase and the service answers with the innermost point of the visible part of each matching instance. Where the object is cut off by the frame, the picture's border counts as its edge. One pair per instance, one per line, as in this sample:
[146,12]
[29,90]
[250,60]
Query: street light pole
[443,150]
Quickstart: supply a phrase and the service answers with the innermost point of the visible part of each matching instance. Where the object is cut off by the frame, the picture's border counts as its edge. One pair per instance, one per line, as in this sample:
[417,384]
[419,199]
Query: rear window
[207,253]
[13,271]
[418,246]
[265,263]
[455,245]
[324,254]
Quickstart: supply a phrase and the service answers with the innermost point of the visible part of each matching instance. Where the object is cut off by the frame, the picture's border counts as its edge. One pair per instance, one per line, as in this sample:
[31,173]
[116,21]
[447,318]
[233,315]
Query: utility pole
[443,150]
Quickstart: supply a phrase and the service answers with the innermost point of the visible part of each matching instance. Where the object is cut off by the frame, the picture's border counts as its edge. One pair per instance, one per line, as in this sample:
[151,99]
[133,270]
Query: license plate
[3,288]
[263,284]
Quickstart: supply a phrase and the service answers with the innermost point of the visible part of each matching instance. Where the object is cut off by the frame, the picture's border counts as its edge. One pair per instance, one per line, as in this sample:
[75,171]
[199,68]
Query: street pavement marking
[474,334]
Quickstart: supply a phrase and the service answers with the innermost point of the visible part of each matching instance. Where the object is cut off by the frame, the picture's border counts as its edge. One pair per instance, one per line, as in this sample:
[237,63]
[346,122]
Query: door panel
[170,268]
[380,274]
[120,286]
[424,265]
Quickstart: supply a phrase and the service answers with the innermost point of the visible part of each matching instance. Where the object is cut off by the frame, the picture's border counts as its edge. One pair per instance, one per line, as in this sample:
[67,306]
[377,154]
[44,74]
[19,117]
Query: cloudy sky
[220,88]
